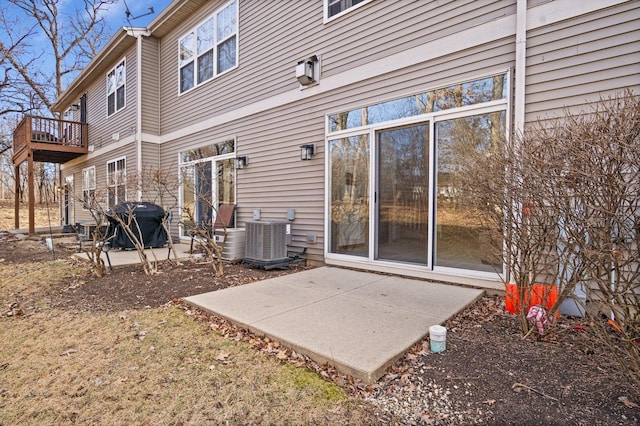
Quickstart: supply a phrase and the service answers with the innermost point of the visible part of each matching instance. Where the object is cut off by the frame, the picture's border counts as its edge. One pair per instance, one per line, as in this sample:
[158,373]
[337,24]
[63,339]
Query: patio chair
[224,219]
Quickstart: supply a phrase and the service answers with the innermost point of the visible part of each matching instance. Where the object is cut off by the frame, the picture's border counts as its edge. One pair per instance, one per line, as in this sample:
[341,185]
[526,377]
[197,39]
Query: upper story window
[116,79]
[209,49]
[338,7]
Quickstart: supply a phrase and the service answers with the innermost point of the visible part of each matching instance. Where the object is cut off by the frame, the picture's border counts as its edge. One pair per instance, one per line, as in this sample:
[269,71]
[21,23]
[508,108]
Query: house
[351,112]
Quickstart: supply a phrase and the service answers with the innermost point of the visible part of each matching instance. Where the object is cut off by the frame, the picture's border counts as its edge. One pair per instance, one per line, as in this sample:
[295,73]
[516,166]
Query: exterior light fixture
[75,107]
[241,162]
[308,71]
[307,151]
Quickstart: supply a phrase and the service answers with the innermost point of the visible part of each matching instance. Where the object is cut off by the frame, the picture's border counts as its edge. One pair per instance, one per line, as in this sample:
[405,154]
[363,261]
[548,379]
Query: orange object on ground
[544,295]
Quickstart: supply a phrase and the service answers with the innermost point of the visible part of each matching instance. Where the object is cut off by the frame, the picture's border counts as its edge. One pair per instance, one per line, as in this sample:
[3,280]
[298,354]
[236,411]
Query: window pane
[111,82]
[227,55]
[212,150]
[463,238]
[120,74]
[120,98]
[188,200]
[111,104]
[187,49]
[186,77]
[471,93]
[346,120]
[349,226]
[226,182]
[393,110]
[205,36]
[205,66]
[227,21]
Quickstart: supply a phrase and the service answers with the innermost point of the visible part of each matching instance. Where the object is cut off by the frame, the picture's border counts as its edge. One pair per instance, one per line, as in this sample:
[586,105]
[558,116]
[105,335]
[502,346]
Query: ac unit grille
[266,241]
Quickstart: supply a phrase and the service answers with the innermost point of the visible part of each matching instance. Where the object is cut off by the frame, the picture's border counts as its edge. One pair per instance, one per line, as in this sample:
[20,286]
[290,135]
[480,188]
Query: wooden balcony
[49,140]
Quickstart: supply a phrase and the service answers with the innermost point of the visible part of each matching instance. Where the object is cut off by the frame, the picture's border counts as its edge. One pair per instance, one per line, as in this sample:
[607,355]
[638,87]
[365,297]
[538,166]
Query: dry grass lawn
[43,216]
[148,366]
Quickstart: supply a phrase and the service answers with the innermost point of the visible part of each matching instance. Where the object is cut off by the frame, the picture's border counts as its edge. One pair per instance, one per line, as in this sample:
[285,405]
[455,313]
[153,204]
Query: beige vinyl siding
[150,85]
[102,127]
[273,39]
[385,28]
[581,60]
[276,179]
[123,122]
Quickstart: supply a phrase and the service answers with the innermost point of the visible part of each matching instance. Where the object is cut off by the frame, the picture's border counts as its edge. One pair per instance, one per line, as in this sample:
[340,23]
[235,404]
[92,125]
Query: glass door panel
[463,239]
[349,199]
[226,186]
[204,194]
[402,208]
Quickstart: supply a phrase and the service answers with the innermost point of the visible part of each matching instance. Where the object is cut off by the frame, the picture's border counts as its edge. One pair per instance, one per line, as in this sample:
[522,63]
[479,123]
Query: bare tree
[71,40]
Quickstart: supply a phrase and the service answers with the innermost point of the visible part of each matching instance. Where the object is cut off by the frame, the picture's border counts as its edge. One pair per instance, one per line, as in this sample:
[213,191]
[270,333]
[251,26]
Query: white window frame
[213,49]
[118,182]
[116,86]
[347,9]
[88,185]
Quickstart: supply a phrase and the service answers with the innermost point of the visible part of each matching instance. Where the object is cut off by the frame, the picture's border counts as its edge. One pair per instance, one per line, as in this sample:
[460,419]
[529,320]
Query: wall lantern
[308,71]
[307,151]
[241,162]
[75,107]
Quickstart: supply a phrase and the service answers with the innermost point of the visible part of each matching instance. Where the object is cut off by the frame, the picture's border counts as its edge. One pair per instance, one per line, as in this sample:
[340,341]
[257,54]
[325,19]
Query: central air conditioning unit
[267,241]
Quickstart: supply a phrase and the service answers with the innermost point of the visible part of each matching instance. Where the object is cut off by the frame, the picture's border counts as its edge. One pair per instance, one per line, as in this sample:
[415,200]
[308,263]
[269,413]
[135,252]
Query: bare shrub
[565,198]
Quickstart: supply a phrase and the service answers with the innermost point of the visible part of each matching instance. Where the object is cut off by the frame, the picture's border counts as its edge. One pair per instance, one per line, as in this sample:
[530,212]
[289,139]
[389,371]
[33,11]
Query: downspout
[138,33]
[521,68]
[519,84]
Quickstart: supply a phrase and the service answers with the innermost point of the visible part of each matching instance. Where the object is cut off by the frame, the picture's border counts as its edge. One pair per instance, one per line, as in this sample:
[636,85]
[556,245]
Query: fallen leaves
[627,402]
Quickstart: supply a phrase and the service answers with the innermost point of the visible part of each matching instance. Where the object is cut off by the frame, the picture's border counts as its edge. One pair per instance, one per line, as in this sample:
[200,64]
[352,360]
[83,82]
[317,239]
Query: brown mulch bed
[487,375]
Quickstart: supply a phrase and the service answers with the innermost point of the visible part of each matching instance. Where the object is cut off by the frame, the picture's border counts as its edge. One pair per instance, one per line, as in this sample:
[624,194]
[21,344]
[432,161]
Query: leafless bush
[198,219]
[162,188]
[563,205]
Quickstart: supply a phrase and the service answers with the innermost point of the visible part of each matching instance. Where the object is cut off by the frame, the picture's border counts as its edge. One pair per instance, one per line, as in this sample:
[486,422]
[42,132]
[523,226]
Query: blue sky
[116,17]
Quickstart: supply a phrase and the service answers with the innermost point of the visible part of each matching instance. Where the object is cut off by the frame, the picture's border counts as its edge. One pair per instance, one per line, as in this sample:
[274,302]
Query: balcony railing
[49,139]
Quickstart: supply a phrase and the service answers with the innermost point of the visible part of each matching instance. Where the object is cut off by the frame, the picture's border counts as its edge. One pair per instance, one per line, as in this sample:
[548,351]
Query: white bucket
[438,338]
[49,243]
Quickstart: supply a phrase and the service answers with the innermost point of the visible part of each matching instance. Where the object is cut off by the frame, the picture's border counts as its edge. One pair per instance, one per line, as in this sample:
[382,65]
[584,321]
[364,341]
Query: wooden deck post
[32,195]
[16,194]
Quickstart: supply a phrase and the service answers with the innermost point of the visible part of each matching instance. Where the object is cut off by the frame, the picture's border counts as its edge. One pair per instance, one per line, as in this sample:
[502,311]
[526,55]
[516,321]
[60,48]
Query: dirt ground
[487,375]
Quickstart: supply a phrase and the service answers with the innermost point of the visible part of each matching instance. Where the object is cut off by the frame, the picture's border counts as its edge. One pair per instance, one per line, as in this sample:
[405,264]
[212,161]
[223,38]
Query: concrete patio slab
[359,322]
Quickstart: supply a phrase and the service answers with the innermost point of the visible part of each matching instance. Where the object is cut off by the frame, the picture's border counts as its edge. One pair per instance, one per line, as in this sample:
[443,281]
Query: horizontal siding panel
[619,54]
[150,86]
[582,60]
[101,127]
